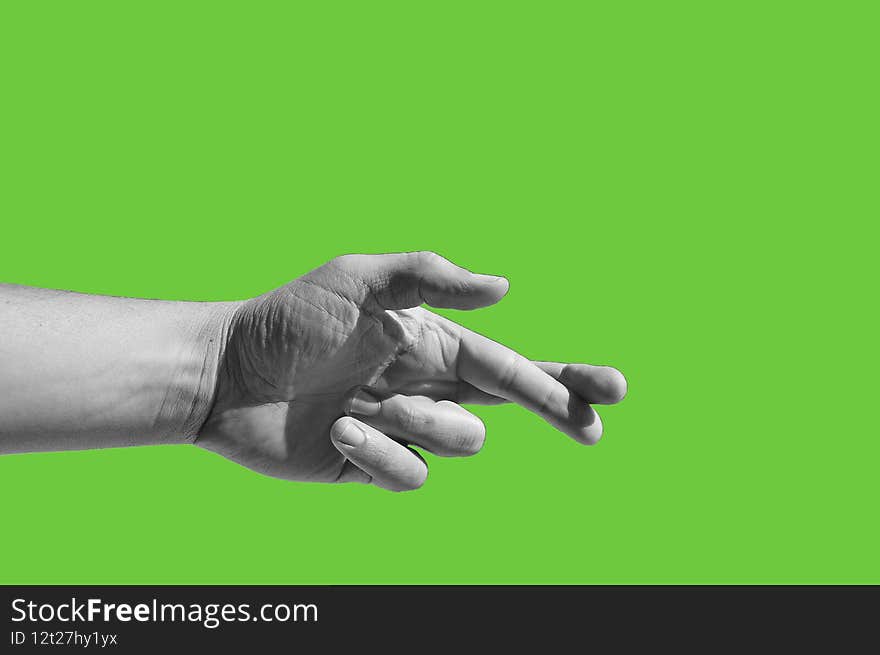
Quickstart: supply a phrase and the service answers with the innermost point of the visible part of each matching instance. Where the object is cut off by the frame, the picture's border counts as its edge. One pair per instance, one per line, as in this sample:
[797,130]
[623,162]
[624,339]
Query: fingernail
[495,278]
[351,435]
[363,404]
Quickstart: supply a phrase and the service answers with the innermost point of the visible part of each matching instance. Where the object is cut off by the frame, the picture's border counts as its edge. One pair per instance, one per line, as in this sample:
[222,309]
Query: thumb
[403,280]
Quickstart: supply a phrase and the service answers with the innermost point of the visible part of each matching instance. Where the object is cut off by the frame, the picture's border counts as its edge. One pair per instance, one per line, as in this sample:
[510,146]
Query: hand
[331,377]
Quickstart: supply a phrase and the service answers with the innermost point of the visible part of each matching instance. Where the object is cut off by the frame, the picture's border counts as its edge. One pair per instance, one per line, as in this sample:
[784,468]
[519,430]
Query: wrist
[206,335]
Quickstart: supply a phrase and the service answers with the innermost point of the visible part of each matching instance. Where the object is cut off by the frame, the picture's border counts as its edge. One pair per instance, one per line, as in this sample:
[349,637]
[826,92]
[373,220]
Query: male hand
[333,376]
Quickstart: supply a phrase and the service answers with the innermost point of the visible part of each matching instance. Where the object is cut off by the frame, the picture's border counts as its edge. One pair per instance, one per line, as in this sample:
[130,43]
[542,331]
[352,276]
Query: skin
[330,378]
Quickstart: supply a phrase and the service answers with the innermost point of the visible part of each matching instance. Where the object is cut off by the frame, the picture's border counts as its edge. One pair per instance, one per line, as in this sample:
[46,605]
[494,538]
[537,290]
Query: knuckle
[558,404]
[427,258]
[347,262]
[413,420]
[511,370]
[553,403]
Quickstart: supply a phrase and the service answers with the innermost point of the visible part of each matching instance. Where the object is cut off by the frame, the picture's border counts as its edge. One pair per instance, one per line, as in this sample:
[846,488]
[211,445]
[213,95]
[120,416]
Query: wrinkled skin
[294,357]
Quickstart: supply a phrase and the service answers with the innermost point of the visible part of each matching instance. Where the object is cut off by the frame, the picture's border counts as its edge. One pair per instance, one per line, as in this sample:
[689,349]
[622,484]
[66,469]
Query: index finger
[500,371]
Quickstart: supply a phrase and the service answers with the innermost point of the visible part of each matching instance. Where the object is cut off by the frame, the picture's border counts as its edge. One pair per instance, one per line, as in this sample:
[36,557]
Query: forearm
[80,371]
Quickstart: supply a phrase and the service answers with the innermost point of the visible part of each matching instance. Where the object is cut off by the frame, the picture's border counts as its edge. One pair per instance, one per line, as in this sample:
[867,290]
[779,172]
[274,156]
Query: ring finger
[443,428]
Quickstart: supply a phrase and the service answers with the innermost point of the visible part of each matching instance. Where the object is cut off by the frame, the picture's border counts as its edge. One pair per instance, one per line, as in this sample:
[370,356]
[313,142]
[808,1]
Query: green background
[686,190]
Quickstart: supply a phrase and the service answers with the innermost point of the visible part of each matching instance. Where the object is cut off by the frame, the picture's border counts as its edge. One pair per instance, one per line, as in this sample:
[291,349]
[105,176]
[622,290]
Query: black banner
[411,618]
